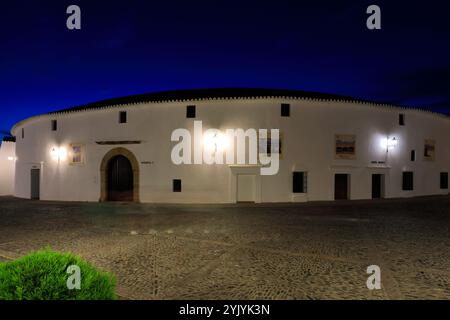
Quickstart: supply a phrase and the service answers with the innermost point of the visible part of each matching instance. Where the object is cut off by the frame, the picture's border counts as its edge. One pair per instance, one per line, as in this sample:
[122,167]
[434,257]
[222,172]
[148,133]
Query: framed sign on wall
[345,146]
[77,154]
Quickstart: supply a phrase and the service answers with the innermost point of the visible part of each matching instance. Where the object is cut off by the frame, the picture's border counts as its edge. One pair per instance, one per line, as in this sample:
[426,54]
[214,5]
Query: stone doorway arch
[104,172]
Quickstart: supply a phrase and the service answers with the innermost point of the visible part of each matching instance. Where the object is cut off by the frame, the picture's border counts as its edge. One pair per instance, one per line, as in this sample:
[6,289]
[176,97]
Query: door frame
[114,194]
[104,172]
[382,184]
[349,178]
[236,170]
[253,187]
[38,183]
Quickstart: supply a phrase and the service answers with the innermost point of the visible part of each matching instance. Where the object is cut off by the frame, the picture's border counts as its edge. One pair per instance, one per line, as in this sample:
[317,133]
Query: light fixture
[388,143]
[58,153]
[10,158]
[392,143]
[54,153]
[215,141]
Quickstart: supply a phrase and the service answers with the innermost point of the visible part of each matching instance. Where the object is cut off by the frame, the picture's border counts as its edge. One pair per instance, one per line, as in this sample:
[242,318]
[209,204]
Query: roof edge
[186,95]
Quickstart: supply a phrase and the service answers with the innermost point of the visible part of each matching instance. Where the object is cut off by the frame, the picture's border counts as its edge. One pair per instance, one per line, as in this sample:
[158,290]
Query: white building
[331,147]
[7,166]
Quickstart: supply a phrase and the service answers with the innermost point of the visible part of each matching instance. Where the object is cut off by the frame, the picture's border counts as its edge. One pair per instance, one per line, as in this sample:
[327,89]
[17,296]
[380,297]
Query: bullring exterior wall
[7,168]
[308,144]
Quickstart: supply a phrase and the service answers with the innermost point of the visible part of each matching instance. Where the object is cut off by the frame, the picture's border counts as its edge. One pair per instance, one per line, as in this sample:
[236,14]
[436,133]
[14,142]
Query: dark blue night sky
[130,47]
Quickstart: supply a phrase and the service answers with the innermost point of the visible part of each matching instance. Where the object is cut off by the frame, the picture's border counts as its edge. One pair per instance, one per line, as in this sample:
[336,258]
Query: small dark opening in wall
[176,185]
[299,182]
[54,125]
[123,117]
[190,111]
[9,139]
[444,180]
[408,181]
[401,119]
[413,155]
[23,133]
[285,110]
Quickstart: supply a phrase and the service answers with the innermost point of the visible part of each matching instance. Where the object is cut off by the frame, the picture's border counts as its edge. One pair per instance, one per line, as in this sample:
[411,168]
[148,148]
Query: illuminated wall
[7,168]
[308,138]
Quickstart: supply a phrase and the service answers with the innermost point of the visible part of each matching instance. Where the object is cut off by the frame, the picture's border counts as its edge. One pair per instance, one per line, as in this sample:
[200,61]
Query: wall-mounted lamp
[58,153]
[392,142]
[215,141]
[389,143]
[10,158]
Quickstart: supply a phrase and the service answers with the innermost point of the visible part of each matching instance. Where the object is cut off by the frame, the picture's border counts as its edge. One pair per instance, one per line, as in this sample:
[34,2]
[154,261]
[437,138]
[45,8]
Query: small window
[413,155]
[299,182]
[23,133]
[267,147]
[190,111]
[176,185]
[123,117]
[444,180]
[429,150]
[285,110]
[54,125]
[401,119]
[408,181]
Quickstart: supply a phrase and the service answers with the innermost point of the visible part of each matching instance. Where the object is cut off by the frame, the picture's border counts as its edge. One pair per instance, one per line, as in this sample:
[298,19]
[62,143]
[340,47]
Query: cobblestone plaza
[282,251]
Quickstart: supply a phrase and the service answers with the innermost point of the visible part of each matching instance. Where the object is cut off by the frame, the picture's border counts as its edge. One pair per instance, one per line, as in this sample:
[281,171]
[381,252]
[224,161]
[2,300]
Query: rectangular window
[267,146]
[54,125]
[444,180]
[176,185]
[23,133]
[413,155]
[299,182]
[123,117]
[429,150]
[190,111]
[408,181]
[285,110]
[401,119]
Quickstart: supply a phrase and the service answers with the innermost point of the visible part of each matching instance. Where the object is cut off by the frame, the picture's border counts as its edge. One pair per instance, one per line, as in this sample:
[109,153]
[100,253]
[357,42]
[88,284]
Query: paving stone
[272,251]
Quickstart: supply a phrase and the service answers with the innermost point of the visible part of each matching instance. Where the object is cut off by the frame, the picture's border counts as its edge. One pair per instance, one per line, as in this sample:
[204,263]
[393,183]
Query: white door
[246,188]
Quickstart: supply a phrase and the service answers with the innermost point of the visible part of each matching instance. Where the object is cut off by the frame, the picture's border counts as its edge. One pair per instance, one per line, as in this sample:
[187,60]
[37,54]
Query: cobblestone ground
[282,251]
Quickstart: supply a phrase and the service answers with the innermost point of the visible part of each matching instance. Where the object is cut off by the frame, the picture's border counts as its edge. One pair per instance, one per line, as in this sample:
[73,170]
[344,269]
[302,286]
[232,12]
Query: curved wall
[7,167]
[308,143]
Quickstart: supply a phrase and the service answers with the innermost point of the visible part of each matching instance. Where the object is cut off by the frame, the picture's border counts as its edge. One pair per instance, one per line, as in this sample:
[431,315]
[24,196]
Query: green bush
[43,275]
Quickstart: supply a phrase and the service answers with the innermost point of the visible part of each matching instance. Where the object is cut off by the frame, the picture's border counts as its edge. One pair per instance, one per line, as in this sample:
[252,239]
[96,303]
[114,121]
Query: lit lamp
[58,153]
[392,143]
[389,143]
[215,141]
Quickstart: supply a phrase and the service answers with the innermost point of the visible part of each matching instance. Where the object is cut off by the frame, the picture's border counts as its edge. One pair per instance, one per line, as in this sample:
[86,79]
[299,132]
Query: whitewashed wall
[7,168]
[308,144]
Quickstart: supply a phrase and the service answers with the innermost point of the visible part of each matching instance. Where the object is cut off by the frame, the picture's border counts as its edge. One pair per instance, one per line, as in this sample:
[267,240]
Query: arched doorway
[119,176]
[120,179]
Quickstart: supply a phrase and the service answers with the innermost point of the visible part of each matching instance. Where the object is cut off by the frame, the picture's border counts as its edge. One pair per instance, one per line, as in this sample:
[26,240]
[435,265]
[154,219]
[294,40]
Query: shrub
[43,275]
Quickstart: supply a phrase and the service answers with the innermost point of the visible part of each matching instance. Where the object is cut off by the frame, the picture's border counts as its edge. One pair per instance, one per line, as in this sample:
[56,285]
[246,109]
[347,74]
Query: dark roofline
[221,93]
[200,94]
[9,139]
